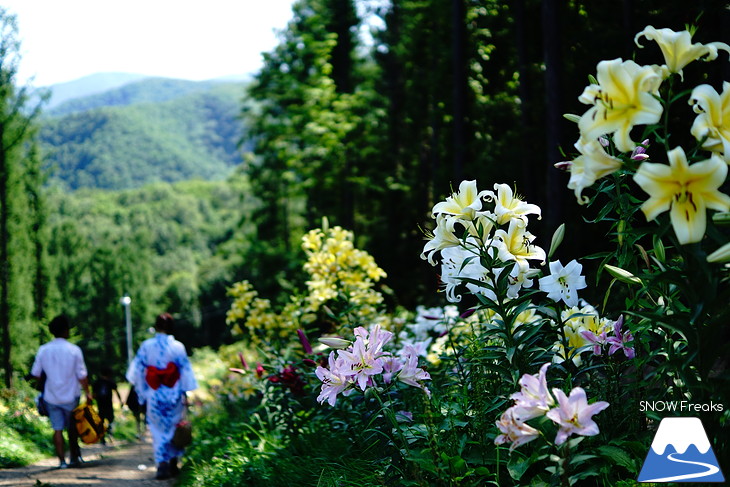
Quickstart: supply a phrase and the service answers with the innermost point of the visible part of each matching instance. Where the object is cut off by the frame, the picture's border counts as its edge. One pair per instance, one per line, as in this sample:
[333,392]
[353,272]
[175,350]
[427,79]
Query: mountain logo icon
[681,452]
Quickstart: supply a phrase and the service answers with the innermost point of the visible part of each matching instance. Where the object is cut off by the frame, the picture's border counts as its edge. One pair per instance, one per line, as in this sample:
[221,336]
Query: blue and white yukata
[161,374]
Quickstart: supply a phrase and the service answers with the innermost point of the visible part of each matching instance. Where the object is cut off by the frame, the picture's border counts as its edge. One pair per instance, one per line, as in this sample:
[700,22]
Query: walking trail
[120,465]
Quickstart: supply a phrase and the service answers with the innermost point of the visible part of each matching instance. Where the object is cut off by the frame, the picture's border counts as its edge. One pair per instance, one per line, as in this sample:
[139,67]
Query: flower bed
[518,381]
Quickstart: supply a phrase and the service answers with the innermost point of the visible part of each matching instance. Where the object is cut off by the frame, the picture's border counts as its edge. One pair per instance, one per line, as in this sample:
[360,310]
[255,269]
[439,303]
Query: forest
[365,116]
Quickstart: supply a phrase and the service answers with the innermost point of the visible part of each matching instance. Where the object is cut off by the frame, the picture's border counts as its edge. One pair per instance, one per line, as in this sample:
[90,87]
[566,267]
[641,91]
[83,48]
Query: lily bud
[720,255]
[620,231]
[659,249]
[721,218]
[335,342]
[622,275]
[639,154]
[557,240]
[305,342]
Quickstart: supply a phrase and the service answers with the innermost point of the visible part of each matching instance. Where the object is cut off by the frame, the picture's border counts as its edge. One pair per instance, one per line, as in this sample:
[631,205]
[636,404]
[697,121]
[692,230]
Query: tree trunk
[553,110]
[526,155]
[5,264]
[460,85]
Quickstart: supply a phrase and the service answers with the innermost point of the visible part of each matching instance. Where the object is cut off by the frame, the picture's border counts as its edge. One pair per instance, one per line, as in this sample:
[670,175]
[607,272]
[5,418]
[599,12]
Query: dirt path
[109,466]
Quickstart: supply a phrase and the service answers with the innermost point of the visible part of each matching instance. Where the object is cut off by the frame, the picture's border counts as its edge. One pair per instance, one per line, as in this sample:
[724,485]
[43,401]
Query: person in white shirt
[64,367]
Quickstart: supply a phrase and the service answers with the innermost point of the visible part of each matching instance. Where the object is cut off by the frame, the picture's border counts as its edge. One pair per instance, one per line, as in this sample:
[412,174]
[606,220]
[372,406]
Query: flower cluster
[255,315]
[336,268]
[571,413]
[358,366]
[473,240]
[585,330]
[625,94]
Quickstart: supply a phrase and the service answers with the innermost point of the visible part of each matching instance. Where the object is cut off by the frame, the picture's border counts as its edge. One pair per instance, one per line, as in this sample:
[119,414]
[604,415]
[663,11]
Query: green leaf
[618,456]
[517,469]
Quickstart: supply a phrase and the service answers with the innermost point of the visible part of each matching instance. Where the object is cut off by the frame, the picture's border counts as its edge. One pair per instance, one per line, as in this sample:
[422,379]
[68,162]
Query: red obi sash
[166,377]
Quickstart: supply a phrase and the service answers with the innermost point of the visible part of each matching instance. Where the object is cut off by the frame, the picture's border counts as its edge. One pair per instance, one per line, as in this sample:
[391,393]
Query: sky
[63,40]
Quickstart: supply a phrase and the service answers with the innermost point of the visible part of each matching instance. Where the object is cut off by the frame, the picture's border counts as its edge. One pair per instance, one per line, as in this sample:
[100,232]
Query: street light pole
[126,301]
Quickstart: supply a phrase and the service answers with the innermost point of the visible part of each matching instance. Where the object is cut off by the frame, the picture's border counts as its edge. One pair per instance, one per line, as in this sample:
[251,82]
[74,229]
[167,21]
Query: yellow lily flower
[678,49]
[508,206]
[593,163]
[622,98]
[713,119]
[516,244]
[463,204]
[443,237]
[686,191]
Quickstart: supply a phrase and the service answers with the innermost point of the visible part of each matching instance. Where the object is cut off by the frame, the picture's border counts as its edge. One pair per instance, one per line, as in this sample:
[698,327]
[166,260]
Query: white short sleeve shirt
[63,363]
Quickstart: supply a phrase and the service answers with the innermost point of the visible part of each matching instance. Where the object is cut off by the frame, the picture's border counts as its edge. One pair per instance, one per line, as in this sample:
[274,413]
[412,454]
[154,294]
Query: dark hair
[165,323]
[59,325]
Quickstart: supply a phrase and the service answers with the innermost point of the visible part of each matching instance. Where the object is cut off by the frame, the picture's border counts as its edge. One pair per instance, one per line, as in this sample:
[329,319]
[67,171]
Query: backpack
[89,425]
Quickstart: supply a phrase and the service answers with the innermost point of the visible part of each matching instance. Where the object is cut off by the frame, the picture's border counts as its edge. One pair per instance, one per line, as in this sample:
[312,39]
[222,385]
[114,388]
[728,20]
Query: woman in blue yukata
[161,374]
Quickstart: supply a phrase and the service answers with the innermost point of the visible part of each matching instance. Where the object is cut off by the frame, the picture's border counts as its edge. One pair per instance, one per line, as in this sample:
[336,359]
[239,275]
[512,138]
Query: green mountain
[89,85]
[150,90]
[148,131]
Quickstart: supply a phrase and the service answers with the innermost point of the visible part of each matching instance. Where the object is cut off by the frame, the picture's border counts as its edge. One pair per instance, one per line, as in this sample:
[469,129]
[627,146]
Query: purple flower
[620,339]
[639,154]
[596,340]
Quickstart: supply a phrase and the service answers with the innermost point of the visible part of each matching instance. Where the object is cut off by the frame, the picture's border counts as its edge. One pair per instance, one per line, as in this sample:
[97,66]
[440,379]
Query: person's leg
[57,416]
[174,469]
[138,420]
[58,443]
[73,436]
[73,444]
[162,416]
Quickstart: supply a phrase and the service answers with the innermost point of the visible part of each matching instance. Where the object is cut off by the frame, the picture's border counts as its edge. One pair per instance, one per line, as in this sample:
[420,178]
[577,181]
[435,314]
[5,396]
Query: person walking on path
[104,388]
[64,367]
[137,409]
[161,374]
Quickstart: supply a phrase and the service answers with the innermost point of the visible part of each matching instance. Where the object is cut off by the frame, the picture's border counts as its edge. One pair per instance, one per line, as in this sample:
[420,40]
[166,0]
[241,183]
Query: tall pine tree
[17,223]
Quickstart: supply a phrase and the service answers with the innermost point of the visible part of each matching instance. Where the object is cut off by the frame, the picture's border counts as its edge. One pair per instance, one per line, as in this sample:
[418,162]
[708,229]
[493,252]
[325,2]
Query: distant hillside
[89,85]
[149,90]
[193,134]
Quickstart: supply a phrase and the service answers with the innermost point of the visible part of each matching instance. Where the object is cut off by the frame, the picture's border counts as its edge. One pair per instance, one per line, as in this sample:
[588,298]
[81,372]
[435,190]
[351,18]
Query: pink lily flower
[574,415]
[514,431]
[365,358]
[391,365]
[334,381]
[533,400]
[411,374]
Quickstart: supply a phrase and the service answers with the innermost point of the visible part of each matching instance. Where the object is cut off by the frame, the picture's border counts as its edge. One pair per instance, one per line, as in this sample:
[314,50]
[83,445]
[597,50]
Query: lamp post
[126,301]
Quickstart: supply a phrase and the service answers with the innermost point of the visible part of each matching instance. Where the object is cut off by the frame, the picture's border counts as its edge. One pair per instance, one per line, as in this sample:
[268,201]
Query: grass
[235,447]
[25,437]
